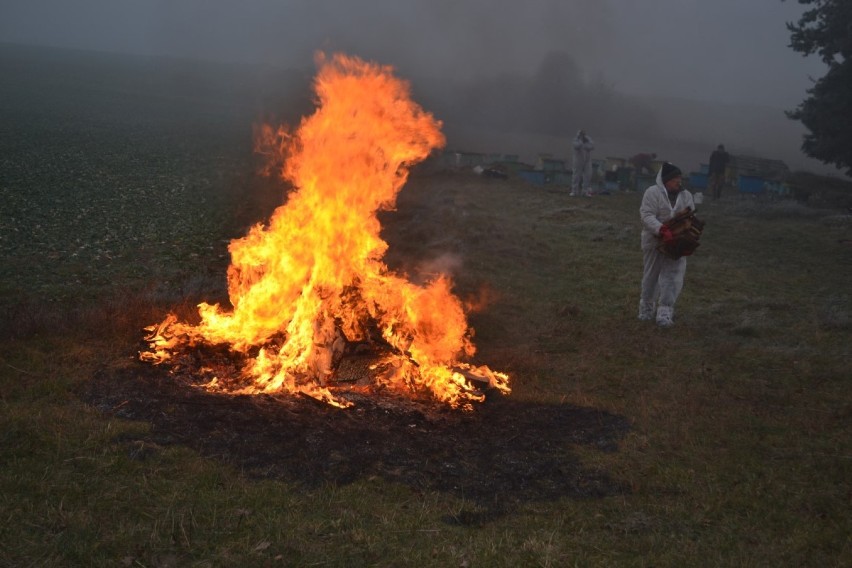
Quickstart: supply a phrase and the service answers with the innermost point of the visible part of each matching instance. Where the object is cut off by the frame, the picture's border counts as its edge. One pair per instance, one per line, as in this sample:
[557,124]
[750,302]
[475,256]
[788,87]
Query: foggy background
[675,77]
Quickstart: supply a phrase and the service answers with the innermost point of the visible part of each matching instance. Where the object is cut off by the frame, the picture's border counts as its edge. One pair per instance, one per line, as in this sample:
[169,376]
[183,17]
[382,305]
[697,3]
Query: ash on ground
[502,452]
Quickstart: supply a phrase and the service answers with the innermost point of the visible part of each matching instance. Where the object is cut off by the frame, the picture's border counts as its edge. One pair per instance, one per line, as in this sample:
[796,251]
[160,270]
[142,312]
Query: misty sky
[725,50]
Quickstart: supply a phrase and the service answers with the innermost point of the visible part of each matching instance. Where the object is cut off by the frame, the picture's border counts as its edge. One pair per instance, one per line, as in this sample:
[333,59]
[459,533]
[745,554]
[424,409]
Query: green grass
[739,453]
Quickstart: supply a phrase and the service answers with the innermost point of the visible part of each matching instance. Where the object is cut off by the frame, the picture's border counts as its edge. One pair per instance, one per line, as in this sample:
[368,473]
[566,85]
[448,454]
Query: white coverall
[581,178]
[662,279]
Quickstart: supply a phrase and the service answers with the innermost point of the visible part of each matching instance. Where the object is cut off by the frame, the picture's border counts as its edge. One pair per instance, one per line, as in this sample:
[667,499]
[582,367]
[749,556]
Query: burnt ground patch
[502,453]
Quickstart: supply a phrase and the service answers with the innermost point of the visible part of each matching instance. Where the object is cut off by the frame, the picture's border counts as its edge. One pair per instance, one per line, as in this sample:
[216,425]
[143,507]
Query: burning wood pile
[309,288]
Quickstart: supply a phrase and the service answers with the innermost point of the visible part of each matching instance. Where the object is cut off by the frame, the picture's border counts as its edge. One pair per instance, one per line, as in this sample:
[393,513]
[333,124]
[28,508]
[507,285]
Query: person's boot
[646,310]
[665,316]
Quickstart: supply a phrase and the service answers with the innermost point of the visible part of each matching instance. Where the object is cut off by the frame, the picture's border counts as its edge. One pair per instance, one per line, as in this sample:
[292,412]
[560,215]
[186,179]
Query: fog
[672,76]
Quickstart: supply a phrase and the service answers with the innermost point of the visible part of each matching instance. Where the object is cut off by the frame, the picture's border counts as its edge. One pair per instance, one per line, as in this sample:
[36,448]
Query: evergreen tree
[826,29]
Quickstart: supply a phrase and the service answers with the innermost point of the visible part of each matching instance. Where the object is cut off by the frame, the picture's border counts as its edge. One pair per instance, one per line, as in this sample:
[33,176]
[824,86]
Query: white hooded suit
[662,279]
[581,178]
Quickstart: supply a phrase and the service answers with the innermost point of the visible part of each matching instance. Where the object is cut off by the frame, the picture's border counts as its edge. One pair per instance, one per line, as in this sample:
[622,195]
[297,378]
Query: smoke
[447,264]
[438,38]
[540,66]
[670,47]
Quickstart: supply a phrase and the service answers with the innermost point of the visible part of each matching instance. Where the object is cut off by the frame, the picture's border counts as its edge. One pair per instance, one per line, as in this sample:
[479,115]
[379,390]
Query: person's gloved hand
[666,234]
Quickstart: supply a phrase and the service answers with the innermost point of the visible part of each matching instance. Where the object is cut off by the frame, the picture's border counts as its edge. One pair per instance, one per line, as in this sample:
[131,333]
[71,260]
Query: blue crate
[697,180]
[751,184]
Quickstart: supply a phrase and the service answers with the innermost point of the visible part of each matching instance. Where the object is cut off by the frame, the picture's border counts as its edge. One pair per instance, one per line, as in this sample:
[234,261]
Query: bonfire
[309,287]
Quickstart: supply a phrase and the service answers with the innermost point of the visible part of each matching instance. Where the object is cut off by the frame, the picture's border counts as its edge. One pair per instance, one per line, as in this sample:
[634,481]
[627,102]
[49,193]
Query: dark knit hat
[670,171]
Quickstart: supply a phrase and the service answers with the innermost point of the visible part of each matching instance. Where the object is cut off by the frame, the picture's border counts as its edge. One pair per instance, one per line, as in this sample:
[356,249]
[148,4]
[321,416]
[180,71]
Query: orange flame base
[314,275]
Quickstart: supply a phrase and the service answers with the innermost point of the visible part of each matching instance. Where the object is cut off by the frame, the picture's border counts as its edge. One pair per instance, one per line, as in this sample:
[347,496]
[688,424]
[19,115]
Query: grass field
[120,186]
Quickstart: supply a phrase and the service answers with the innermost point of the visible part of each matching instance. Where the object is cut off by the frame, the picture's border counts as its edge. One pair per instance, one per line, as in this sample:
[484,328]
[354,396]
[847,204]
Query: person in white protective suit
[581,178]
[662,279]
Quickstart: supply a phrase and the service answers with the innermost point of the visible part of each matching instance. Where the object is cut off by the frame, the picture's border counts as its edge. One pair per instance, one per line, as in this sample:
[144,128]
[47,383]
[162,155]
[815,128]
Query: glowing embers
[310,286]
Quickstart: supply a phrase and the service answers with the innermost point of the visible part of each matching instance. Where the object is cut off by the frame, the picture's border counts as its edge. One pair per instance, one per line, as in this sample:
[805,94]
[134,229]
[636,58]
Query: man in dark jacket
[716,172]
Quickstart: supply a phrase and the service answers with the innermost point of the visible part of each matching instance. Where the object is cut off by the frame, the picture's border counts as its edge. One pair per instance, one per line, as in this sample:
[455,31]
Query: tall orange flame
[313,279]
